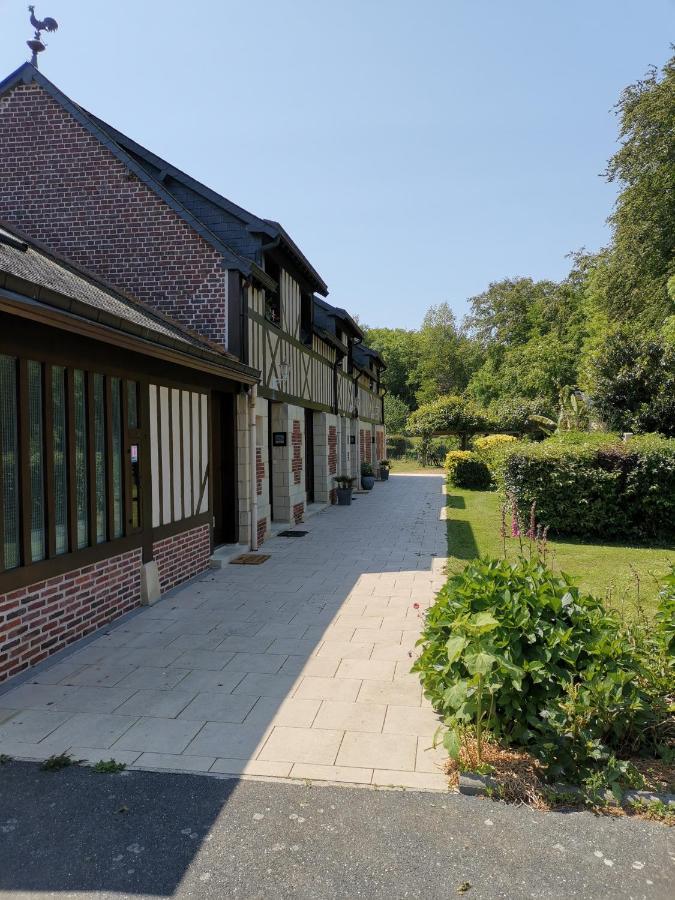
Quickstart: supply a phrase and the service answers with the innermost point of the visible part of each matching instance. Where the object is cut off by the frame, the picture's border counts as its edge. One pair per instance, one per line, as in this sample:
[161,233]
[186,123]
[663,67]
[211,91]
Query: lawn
[610,571]
[412,467]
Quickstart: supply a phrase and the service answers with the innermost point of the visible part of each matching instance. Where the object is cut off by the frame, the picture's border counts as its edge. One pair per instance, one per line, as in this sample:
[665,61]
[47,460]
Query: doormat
[250,559]
[292,533]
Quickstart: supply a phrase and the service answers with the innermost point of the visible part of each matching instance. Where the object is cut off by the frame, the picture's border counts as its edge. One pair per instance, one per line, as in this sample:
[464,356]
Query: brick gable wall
[61,186]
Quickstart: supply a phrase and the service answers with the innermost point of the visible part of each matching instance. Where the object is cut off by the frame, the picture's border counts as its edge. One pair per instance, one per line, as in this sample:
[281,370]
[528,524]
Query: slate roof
[326,315]
[236,233]
[29,268]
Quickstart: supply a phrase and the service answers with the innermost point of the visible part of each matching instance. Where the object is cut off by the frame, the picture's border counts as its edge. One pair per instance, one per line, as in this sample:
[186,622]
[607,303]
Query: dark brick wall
[298,512]
[61,186]
[45,617]
[296,444]
[332,450]
[259,470]
[181,556]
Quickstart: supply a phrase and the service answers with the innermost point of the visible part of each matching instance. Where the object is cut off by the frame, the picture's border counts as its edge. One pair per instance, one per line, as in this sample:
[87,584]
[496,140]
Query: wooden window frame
[53,564]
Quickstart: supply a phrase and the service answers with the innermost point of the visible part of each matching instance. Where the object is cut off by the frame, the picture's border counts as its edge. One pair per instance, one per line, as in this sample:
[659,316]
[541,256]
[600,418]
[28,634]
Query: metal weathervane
[36,44]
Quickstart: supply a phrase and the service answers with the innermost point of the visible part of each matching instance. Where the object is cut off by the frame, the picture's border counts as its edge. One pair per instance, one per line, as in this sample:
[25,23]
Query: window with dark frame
[69,460]
[306,317]
[273,298]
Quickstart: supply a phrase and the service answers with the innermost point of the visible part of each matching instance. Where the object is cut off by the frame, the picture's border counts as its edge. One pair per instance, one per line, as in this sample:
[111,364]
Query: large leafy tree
[635,383]
[447,355]
[400,349]
[395,414]
[630,284]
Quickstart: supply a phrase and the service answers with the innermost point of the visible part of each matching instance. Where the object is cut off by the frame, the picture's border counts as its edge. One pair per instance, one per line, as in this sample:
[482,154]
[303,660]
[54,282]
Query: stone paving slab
[299,668]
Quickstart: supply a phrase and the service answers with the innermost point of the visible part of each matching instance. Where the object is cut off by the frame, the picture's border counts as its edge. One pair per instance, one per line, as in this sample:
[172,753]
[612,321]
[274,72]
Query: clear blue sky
[414,150]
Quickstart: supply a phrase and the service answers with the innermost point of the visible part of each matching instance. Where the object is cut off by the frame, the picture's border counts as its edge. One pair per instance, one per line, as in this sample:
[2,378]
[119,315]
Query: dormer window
[273,297]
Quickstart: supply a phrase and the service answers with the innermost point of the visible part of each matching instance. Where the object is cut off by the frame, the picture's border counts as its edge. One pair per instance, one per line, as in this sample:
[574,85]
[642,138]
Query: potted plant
[367,476]
[344,489]
[385,465]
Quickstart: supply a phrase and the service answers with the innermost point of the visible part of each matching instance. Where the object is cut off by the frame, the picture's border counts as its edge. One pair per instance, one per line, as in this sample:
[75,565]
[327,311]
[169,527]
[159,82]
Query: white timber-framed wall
[297,375]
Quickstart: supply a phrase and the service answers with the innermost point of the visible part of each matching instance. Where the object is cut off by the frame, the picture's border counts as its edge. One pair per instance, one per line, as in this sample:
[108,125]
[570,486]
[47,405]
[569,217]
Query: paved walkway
[295,668]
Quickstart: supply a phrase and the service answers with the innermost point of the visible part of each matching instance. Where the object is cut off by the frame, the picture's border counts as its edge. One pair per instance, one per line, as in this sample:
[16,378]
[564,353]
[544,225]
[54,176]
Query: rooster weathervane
[46,24]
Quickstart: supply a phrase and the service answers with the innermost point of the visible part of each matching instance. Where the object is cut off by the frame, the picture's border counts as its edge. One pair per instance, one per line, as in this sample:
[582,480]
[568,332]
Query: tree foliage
[607,328]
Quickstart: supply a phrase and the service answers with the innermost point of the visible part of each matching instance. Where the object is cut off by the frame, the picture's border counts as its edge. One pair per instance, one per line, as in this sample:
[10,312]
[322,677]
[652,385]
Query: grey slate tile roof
[25,259]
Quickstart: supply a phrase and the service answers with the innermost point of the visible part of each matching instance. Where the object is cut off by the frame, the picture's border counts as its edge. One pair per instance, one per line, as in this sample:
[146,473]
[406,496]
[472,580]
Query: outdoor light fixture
[284,373]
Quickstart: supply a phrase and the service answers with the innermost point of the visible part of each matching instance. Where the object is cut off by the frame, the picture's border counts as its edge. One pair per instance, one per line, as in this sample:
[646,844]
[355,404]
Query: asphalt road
[143,834]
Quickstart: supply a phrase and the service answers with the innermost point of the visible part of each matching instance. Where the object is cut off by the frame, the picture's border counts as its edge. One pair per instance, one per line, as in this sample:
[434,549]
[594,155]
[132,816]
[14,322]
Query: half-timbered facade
[283,395]
[118,449]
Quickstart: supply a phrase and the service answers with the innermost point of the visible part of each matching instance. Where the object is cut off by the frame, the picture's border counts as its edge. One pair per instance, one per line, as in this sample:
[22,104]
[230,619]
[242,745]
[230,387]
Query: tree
[634,383]
[395,414]
[399,348]
[447,356]
[631,282]
[448,415]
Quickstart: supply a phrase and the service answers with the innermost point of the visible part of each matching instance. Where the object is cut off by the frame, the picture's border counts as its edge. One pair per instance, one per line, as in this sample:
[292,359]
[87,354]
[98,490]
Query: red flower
[416,606]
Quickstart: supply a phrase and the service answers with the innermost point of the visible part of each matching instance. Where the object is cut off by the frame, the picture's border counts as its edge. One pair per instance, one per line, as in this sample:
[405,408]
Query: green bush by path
[519,650]
[595,485]
[466,469]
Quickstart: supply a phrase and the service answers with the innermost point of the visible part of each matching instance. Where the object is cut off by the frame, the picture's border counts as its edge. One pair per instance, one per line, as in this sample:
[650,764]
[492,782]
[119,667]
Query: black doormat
[292,533]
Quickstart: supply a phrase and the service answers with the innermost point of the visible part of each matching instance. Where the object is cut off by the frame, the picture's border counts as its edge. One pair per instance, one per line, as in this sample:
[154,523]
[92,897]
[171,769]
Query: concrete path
[297,668]
[139,835]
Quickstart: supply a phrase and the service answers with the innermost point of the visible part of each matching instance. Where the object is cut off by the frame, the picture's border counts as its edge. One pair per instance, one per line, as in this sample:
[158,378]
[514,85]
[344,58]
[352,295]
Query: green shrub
[467,470]
[594,485]
[518,649]
[397,445]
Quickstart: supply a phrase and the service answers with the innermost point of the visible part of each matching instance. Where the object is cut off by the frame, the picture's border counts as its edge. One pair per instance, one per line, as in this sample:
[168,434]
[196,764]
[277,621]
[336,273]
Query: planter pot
[367,482]
[344,496]
[384,474]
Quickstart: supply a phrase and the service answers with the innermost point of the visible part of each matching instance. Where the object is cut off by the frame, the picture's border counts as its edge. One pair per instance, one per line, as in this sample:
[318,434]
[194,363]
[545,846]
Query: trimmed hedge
[467,470]
[595,485]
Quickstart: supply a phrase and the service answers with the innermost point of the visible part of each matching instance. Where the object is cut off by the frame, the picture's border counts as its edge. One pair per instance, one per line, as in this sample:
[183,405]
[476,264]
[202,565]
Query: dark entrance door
[223,454]
[270,462]
[309,455]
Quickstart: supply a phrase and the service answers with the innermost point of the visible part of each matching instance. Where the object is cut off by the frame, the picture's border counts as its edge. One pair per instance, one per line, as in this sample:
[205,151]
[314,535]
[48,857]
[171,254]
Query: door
[309,455]
[270,461]
[223,455]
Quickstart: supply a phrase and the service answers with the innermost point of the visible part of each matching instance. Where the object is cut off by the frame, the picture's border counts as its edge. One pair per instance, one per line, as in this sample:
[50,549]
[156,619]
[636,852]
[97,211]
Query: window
[273,298]
[81,461]
[99,458]
[36,462]
[69,460]
[306,318]
[9,460]
[60,457]
[117,482]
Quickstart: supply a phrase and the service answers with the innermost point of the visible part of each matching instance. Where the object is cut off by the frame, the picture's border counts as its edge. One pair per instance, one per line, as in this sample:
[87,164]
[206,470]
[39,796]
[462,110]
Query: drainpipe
[252,397]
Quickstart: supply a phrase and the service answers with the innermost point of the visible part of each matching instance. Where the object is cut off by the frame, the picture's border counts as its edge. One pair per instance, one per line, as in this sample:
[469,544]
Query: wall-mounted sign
[134,453]
[278,438]
[352,438]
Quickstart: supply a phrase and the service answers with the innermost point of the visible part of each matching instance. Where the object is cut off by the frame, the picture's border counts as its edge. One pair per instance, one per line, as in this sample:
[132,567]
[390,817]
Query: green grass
[412,467]
[609,571]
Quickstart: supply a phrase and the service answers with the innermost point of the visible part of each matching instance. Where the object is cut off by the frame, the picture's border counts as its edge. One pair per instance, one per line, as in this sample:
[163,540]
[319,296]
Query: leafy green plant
[466,469]
[4,759]
[592,485]
[366,469]
[665,616]
[344,481]
[654,809]
[517,649]
[58,761]
[109,766]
